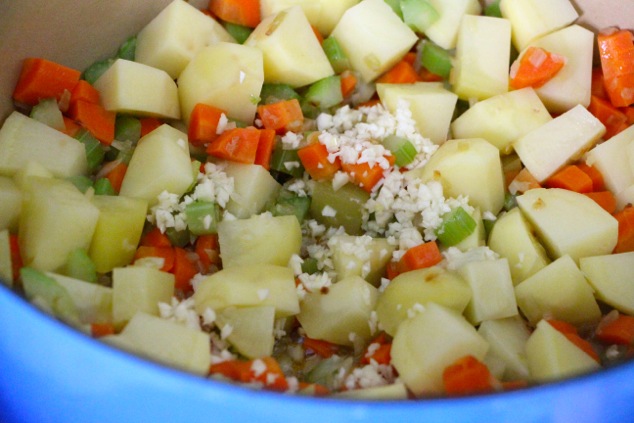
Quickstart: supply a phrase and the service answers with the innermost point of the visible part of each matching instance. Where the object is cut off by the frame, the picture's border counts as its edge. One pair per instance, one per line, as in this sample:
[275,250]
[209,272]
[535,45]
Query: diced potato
[6,268]
[569,223]
[373,37]
[512,237]
[253,189]
[394,391]
[135,88]
[467,167]
[534,18]
[292,54]
[175,35]
[56,219]
[228,76]
[482,57]
[548,148]
[362,256]
[342,314]
[312,8]
[347,203]
[444,31]
[492,290]
[502,119]
[261,239]
[411,290]
[23,139]
[331,12]
[608,158]
[572,84]
[136,288]
[93,301]
[429,342]
[250,329]
[167,342]
[612,278]
[507,340]
[31,168]
[559,291]
[248,286]
[118,231]
[552,356]
[10,205]
[477,237]
[147,175]
[432,106]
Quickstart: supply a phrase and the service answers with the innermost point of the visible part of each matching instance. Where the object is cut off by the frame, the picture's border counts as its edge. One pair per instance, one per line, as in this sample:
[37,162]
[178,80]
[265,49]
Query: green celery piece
[44,290]
[127,50]
[178,238]
[335,54]
[347,203]
[510,201]
[493,10]
[396,7]
[104,187]
[239,32]
[309,110]
[202,217]
[455,227]
[127,128]
[326,372]
[94,71]
[402,149]
[81,182]
[281,158]
[419,15]
[94,151]
[436,59]
[288,203]
[80,266]
[310,265]
[272,93]
[326,92]
[47,111]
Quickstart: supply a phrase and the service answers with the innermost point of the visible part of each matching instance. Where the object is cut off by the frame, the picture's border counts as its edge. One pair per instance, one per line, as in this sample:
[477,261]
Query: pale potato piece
[611,159]
[312,8]
[444,31]
[93,301]
[250,329]
[138,89]
[507,340]
[477,238]
[612,278]
[10,205]
[31,168]
[253,189]
[360,256]
[331,12]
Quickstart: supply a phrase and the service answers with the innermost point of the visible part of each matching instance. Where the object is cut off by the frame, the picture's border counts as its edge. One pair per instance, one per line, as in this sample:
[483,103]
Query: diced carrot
[184,270]
[203,124]
[629,114]
[116,175]
[509,175]
[410,57]
[98,330]
[318,35]
[348,83]
[423,255]
[265,148]
[597,87]
[523,182]
[467,375]
[238,144]
[603,198]
[97,120]
[570,332]
[16,256]
[271,376]
[41,78]
[71,127]
[401,73]
[614,119]
[391,270]
[207,248]
[149,124]
[314,158]
[425,75]
[535,68]
[625,241]
[616,51]
[598,183]
[155,238]
[617,331]
[322,348]
[571,178]
[241,12]
[83,90]
[380,354]
[285,115]
[371,102]
[164,253]
[365,175]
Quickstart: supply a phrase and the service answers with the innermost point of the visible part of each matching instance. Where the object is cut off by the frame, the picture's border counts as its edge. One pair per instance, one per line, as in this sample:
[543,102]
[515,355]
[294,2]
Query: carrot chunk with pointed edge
[571,178]
[97,120]
[164,253]
[402,72]
[285,115]
[616,51]
[314,158]
[605,199]
[322,348]
[203,124]
[598,183]
[619,330]
[241,12]
[238,145]
[423,255]
[40,78]
[625,240]
[467,375]
[612,118]
[535,68]
[265,148]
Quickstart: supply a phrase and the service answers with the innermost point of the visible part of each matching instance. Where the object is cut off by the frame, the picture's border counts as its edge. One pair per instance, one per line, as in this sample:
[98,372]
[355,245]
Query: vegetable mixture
[364,199]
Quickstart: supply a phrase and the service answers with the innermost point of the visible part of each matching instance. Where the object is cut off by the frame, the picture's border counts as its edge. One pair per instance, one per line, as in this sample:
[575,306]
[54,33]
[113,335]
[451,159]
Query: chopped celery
[310,265]
[81,182]
[403,151]
[327,371]
[436,59]
[419,15]
[455,227]
[335,54]
[178,238]
[94,150]
[47,293]
[272,93]
[80,266]
[510,201]
[326,92]
[47,111]
[94,71]
[309,110]
[343,207]
[288,203]
[127,128]
[104,187]
[202,217]
[493,9]
[127,50]
[396,7]
[286,162]
[239,32]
